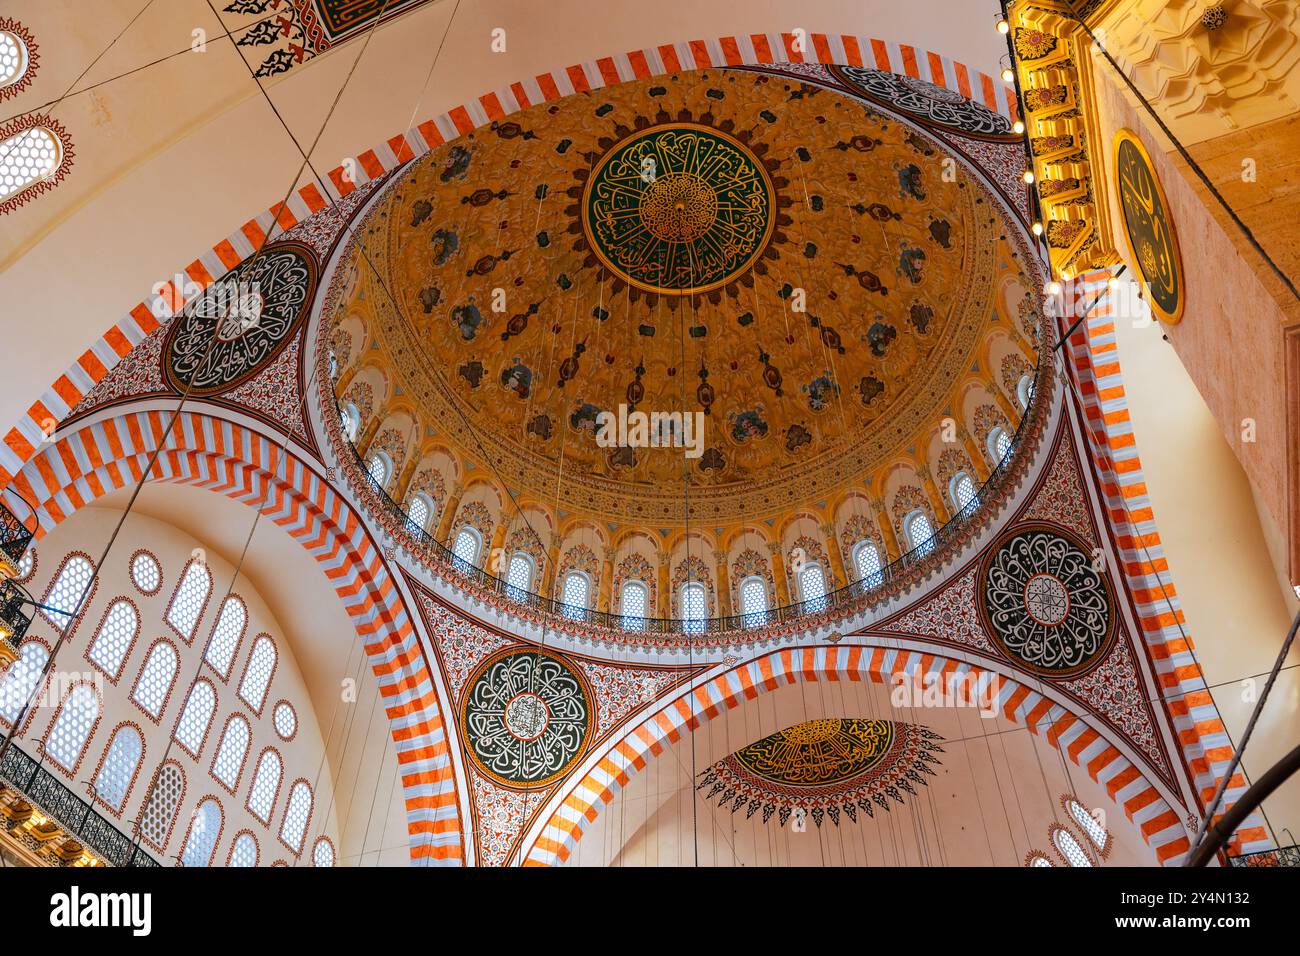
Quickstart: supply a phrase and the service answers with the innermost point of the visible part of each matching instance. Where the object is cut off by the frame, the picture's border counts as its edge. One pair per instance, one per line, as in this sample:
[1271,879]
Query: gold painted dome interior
[798,271]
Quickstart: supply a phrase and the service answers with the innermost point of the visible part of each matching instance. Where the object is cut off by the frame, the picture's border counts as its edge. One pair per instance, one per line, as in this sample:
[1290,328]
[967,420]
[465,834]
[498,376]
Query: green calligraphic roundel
[678,209]
[1148,228]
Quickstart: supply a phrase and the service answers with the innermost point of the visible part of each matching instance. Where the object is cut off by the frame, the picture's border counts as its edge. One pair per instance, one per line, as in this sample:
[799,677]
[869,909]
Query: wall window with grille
[753,601]
[999,444]
[243,852]
[467,546]
[196,717]
[962,490]
[66,590]
[266,785]
[205,828]
[575,594]
[519,575]
[866,561]
[20,679]
[634,603]
[154,685]
[418,512]
[33,158]
[165,798]
[228,764]
[379,468]
[258,672]
[694,607]
[297,813]
[226,635]
[920,534]
[72,727]
[190,599]
[812,586]
[119,767]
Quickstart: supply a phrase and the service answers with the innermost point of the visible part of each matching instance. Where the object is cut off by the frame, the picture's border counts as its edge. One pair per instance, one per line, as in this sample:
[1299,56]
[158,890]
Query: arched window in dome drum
[379,469]
[753,601]
[812,587]
[866,560]
[466,548]
[694,607]
[999,444]
[350,419]
[962,491]
[1025,390]
[576,593]
[920,535]
[634,603]
[519,575]
[417,512]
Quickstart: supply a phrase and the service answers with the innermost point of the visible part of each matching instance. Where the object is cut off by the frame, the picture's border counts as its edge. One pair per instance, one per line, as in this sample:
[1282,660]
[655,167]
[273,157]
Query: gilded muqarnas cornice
[920,406]
[1060,115]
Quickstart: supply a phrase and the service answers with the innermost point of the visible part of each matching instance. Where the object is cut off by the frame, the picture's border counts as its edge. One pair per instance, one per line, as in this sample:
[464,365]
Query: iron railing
[18,523]
[14,615]
[1002,478]
[77,817]
[1279,856]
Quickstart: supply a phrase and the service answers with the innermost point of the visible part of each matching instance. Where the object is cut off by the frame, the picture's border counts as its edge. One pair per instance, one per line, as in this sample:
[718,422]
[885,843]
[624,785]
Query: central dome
[801,272]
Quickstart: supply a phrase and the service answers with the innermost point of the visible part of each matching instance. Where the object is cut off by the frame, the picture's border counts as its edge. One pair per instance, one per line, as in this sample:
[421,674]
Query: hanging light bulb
[1008,74]
[1054,287]
[1037,228]
[1003,26]
[1029,176]
[1018,126]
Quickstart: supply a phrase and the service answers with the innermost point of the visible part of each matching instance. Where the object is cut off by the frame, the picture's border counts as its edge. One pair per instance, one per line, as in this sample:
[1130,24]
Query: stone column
[449,509]
[778,574]
[552,566]
[838,574]
[724,585]
[665,608]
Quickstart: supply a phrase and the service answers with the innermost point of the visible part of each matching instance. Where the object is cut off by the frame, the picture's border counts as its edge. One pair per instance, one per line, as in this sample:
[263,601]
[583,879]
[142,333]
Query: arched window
[920,536]
[228,764]
[577,588]
[243,852]
[519,575]
[379,468]
[296,816]
[160,809]
[26,564]
[1070,849]
[417,512]
[20,680]
[1025,390]
[196,717]
[468,543]
[634,603]
[14,61]
[257,673]
[753,601]
[1097,834]
[694,607]
[154,684]
[117,773]
[226,635]
[66,590]
[962,490]
[866,560]
[72,727]
[350,419]
[999,444]
[266,786]
[1037,858]
[117,632]
[205,827]
[322,854]
[146,575]
[29,157]
[334,364]
[812,586]
[190,599]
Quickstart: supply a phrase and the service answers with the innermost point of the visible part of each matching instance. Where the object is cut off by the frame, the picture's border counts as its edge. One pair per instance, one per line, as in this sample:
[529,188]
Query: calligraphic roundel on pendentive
[241,322]
[1046,602]
[1148,228]
[526,715]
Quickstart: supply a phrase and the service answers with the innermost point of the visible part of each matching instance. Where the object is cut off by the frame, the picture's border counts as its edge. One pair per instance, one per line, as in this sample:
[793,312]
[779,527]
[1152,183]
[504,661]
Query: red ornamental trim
[171,687]
[10,25]
[71,772]
[130,565]
[130,644]
[138,827]
[135,773]
[48,182]
[189,830]
[243,761]
[257,850]
[90,596]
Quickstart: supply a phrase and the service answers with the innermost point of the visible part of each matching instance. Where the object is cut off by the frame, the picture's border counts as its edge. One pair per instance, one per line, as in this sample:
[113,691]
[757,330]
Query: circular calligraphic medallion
[1148,229]
[241,322]
[678,209]
[526,716]
[817,753]
[1045,604]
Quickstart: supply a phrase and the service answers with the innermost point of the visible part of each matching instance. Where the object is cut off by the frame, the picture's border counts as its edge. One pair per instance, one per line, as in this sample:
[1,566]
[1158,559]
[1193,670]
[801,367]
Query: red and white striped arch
[1161,826]
[208,452]
[29,434]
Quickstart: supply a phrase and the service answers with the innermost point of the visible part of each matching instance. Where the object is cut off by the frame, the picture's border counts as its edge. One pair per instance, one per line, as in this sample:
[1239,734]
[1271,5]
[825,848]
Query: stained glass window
[77,716]
[109,648]
[257,673]
[115,776]
[155,681]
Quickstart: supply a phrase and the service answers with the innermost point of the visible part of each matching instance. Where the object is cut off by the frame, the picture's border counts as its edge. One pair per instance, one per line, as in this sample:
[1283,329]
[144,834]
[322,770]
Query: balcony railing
[77,817]
[1280,856]
[18,525]
[15,616]
[849,597]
